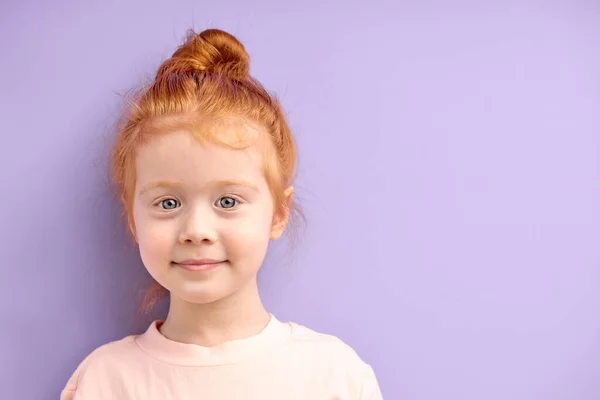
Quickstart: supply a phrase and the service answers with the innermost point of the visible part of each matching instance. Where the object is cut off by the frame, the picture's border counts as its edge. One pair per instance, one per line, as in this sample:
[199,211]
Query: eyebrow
[221,183]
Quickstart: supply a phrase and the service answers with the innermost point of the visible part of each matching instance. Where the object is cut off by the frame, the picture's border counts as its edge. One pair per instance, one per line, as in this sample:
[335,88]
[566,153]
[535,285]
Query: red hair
[205,81]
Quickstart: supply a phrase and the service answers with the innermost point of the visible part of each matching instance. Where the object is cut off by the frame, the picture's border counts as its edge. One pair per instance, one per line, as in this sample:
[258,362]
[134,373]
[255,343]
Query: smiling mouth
[201,267]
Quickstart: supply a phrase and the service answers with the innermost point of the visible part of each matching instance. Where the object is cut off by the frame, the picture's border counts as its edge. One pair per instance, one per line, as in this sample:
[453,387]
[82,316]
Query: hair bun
[212,50]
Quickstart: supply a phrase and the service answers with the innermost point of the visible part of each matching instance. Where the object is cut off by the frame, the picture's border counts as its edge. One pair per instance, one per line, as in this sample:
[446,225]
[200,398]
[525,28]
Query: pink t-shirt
[285,361]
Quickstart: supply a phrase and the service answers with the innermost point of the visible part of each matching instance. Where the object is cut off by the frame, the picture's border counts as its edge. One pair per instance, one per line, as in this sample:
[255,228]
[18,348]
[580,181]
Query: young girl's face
[199,201]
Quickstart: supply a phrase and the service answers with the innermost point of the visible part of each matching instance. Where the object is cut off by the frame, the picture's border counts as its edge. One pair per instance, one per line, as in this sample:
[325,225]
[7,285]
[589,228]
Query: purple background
[449,169]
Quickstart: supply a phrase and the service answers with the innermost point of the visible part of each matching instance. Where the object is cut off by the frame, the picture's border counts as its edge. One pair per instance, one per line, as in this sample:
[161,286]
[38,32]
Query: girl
[204,164]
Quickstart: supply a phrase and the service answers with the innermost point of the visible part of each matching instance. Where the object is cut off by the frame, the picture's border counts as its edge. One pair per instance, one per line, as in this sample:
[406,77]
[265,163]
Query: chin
[200,294]
[199,298]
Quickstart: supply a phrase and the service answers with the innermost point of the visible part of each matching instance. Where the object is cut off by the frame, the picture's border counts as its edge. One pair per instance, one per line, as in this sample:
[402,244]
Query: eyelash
[237,199]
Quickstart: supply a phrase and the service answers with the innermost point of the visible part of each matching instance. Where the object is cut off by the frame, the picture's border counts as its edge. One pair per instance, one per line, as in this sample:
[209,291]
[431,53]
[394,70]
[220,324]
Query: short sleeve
[370,387]
[70,389]
[67,394]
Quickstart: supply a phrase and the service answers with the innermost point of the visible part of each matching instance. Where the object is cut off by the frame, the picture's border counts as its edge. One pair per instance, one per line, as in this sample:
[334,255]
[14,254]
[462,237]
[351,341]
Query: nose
[198,227]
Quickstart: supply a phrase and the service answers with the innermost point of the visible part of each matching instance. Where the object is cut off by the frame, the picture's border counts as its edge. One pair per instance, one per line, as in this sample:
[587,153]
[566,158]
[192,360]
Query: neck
[238,316]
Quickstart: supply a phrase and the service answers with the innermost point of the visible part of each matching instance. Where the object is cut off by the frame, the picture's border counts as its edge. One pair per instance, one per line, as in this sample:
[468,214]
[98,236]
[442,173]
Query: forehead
[189,157]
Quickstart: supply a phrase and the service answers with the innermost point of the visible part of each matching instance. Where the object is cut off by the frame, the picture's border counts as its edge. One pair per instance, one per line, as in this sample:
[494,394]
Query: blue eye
[169,204]
[227,202]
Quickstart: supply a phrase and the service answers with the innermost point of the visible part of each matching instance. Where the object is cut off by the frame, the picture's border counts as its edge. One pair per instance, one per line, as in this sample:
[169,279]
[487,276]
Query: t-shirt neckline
[153,343]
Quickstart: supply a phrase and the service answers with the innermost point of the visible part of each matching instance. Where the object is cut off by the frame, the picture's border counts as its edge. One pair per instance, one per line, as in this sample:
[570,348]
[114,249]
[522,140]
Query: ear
[281,221]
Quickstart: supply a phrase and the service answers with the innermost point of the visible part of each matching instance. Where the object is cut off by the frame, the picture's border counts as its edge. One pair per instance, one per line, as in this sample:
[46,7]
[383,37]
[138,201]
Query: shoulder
[308,339]
[103,358]
[328,350]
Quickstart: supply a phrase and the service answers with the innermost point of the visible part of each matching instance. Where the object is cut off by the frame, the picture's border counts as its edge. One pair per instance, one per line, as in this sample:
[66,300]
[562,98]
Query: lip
[200,265]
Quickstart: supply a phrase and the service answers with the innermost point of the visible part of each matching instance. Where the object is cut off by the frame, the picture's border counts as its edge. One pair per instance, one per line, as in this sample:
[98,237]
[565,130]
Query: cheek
[154,239]
[247,236]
